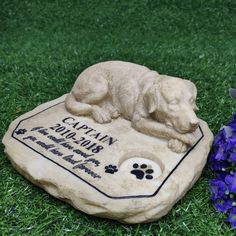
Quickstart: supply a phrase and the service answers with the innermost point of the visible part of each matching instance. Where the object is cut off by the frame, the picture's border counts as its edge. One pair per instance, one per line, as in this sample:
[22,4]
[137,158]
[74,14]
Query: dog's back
[114,86]
[115,71]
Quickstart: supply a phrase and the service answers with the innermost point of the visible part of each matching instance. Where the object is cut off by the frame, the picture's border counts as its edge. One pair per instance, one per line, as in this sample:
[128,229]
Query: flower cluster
[223,164]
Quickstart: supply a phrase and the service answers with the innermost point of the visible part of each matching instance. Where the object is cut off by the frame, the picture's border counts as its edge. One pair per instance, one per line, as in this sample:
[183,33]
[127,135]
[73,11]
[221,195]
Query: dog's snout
[194,123]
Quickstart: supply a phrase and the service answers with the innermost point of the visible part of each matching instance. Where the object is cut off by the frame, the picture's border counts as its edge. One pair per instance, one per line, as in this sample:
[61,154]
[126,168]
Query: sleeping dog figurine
[157,105]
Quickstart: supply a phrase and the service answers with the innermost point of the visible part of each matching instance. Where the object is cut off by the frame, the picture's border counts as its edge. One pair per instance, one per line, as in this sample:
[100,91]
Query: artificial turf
[44,45]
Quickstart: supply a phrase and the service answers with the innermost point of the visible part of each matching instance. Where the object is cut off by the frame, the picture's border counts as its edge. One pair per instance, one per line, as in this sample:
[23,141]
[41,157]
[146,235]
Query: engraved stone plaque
[109,170]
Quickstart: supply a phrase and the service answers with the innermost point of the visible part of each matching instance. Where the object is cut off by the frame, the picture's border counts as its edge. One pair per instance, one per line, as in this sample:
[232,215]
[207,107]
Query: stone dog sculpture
[157,105]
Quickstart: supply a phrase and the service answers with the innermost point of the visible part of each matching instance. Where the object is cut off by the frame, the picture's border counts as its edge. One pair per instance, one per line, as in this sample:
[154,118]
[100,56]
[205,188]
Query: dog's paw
[100,115]
[115,114]
[189,138]
[177,146]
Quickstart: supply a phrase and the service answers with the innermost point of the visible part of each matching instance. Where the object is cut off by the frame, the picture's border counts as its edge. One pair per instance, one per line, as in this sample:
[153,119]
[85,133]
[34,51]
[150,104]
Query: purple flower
[221,154]
[223,164]
[220,138]
[230,144]
[232,218]
[223,205]
[232,157]
[218,166]
[221,175]
[217,188]
[231,181]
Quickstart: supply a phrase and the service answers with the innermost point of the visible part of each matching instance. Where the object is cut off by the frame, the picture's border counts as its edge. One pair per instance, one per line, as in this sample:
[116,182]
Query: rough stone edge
[152,213]
[185,186]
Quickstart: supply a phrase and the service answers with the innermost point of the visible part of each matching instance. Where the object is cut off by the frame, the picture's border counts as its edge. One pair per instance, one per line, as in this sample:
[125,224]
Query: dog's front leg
[154,128]
[177,142]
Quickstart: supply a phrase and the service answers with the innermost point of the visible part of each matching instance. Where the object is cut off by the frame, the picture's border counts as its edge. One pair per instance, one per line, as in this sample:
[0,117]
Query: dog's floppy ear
[194,90]
[151,98]
[192,86]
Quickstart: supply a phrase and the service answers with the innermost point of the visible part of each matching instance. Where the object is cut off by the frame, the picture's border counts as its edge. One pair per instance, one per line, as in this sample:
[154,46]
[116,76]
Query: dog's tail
[75,107]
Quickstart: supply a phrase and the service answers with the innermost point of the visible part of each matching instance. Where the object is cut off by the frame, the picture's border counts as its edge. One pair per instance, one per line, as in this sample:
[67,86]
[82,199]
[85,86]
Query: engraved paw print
[21,131]
[142,171]
[111,169]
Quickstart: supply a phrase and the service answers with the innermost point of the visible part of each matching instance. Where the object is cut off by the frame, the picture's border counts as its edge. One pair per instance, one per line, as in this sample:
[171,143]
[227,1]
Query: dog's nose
[194,123]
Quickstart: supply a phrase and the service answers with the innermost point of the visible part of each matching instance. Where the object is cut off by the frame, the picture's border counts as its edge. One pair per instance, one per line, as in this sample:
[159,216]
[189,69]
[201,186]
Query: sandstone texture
[107,170]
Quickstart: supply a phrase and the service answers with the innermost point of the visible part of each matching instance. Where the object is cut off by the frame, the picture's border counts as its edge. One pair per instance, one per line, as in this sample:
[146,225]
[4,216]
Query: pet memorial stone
[125,143]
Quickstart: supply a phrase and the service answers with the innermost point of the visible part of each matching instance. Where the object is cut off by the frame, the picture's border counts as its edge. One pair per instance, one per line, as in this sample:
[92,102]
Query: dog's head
[173,101]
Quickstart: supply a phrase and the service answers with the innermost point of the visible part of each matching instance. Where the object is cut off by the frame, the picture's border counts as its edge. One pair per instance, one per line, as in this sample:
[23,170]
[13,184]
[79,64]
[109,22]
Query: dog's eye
[173,102]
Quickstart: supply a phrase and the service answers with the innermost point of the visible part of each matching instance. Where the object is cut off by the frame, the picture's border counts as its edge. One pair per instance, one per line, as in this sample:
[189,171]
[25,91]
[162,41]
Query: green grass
[44,46]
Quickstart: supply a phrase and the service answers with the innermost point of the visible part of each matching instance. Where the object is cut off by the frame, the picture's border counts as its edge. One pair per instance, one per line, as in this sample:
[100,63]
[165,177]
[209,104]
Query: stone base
[108,170]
